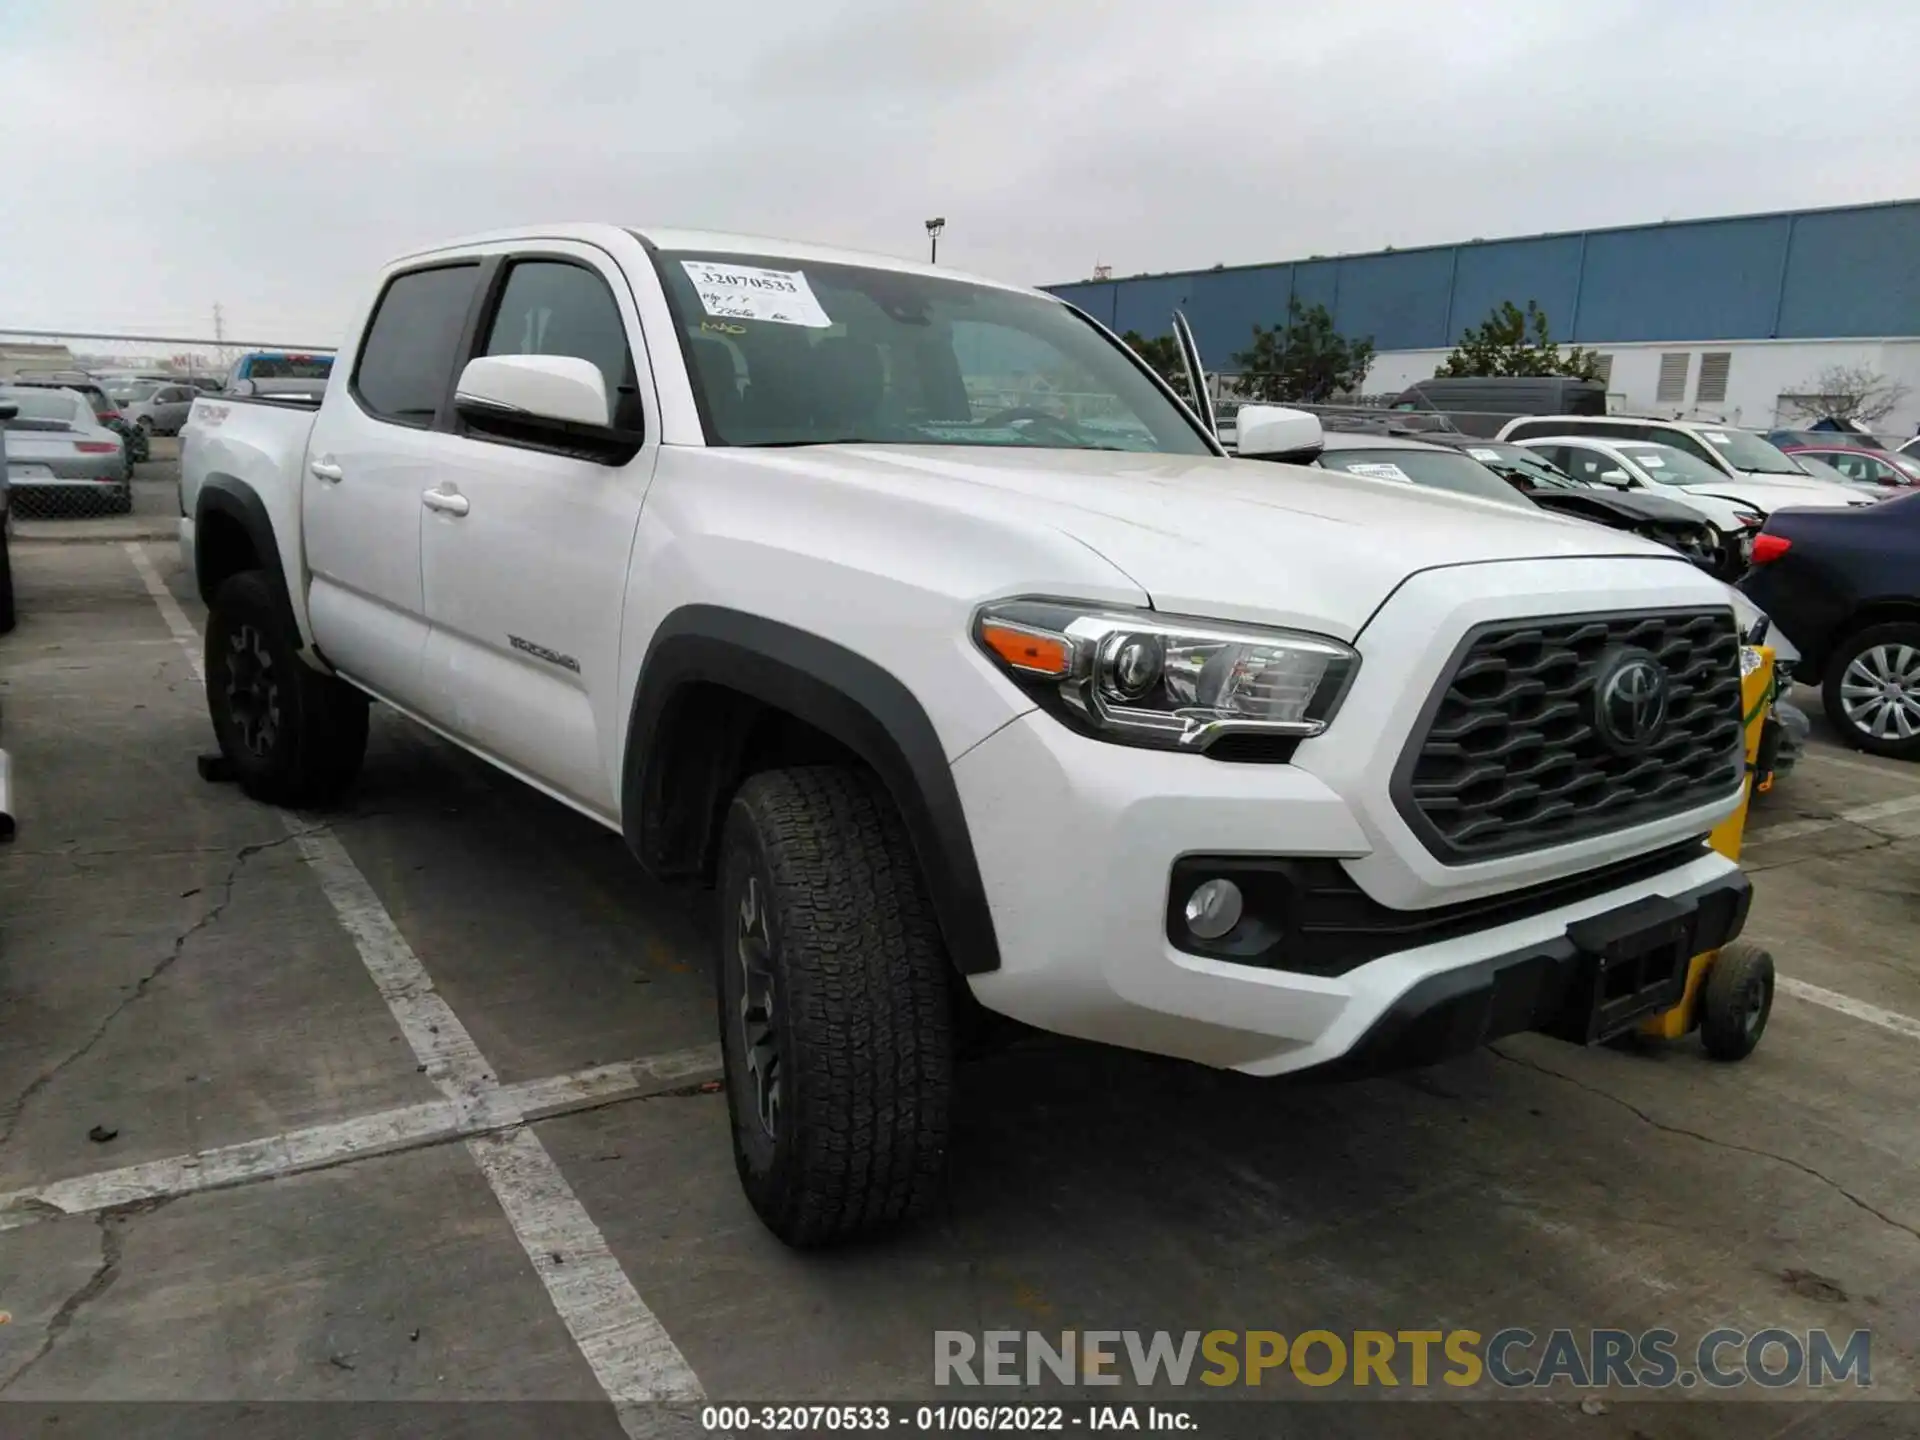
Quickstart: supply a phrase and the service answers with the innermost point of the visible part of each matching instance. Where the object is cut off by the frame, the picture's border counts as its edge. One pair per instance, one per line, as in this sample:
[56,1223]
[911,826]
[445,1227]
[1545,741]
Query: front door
[525,549]
[371,454]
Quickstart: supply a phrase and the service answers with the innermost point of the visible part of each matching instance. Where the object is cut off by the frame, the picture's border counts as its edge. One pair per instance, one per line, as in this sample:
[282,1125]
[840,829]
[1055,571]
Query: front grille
[1510,754]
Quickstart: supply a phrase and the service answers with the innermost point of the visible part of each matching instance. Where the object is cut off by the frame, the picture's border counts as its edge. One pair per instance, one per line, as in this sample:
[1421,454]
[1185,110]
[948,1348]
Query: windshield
[42,405]
[1746,451]
[132,394]
[1521,466]
[1822,469]
[823,354]
[1437,469]
[289,367]
[1669,466]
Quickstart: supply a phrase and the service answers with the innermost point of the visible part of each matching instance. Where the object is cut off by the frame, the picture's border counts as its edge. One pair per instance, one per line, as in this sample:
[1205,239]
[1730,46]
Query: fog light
[1213,909]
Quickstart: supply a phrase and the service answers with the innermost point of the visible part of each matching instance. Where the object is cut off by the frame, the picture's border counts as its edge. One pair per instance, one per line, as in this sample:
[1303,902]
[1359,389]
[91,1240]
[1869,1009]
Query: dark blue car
[1844,587]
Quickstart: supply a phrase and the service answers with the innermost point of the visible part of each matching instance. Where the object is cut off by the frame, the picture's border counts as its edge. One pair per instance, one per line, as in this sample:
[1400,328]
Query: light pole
[934,227]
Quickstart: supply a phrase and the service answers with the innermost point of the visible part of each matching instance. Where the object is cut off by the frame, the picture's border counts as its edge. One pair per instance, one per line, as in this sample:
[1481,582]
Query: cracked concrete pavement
[170,971]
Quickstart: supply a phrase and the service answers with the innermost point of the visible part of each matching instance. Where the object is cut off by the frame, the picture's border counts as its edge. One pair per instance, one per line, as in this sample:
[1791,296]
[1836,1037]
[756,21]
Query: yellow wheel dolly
[1729,991]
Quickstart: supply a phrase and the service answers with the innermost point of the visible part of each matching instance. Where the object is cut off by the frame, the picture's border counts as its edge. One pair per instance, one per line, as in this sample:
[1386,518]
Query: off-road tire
[318,734]
[861,1047]
[1737,1001]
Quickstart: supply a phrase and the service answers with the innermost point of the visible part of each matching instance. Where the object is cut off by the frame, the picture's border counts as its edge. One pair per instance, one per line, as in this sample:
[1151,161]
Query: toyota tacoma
[918,619]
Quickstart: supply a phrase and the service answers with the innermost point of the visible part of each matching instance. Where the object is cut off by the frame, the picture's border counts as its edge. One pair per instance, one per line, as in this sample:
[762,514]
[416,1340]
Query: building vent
[1672,389]
[1714,366]
[1603,369]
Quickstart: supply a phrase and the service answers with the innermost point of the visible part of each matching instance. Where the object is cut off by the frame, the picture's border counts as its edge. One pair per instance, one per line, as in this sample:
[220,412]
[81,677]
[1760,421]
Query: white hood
[1768,493]
[1229,539]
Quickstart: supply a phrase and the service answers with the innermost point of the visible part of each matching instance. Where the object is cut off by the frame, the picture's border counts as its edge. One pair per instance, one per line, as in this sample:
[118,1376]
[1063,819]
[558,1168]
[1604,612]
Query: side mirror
[241,387]
[563,388]
[1273,432]
[8,410]
[1619,479]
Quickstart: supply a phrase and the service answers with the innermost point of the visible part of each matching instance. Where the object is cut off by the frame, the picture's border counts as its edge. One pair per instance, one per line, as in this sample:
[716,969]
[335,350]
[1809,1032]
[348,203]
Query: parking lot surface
[413,1101]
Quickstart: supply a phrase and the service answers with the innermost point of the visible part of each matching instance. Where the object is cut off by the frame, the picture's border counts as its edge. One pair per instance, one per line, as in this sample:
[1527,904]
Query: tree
[1306,360]
[1511,341]
[1162,354]
[1847,392]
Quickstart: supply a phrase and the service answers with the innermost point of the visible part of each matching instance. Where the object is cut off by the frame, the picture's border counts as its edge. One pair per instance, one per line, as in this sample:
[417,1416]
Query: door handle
[325,470]
[447,502]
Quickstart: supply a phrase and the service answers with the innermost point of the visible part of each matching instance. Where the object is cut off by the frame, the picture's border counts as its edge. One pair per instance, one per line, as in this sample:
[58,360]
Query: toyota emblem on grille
[1630,706]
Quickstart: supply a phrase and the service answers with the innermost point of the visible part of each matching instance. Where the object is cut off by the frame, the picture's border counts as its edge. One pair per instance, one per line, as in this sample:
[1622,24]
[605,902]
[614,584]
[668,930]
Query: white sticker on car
[1652,462]
[1483,454]
[1380,470]
[1717,438]
[748,292]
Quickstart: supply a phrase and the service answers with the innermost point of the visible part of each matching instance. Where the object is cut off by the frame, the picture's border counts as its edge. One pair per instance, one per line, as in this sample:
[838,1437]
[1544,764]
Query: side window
[1692,445]
[406,360]
[1580,462]
[549,307]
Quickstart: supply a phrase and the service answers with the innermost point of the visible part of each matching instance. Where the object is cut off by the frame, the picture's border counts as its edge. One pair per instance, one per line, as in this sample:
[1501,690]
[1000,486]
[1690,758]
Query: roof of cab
[714,243]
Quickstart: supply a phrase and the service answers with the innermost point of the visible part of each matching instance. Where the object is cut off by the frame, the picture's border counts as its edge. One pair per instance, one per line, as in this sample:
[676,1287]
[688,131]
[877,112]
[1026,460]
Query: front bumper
[1077,840]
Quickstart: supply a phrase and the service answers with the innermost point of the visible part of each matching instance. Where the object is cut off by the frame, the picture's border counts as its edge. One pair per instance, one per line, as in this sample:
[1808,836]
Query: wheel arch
[233,532]
[1884,611]
[721,692]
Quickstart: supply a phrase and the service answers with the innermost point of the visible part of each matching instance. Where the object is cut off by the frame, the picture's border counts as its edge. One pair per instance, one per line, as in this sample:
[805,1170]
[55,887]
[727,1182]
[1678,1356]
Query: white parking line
[1840,760]
[1864,815]
[318,1147]
[1846,1005]
[629,1350]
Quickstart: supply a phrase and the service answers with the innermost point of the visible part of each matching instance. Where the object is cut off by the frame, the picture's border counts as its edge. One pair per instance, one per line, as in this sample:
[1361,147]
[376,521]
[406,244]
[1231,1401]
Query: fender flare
[240,502]
[846,697]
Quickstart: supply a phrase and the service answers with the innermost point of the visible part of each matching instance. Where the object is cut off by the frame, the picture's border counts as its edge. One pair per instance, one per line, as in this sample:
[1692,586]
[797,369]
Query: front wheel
[294,736]
[834,1008]
[1737,1000]
[1872,690]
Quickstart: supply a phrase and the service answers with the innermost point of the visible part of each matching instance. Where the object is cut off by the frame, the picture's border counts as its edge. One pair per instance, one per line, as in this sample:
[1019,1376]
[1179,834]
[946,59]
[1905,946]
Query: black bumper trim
[1548,987]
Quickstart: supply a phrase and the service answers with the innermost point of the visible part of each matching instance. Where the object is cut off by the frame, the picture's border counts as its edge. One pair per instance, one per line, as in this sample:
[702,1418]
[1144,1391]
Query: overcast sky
[161,155]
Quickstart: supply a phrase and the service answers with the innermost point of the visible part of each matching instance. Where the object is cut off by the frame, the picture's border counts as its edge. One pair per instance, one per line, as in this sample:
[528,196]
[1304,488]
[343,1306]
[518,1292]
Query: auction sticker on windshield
[1380,470]
[748,292]
[1484,454]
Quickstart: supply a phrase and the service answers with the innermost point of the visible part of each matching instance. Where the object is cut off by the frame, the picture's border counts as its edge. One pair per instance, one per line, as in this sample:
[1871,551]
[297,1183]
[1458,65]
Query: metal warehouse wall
[1810,274]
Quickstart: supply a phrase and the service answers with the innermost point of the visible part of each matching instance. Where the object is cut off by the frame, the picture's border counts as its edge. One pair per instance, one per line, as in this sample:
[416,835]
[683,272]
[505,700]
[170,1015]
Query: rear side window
[551,308]
[406,361]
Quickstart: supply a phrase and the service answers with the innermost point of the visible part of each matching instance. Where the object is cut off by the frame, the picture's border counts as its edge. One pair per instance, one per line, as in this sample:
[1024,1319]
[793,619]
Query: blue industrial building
[1767,300]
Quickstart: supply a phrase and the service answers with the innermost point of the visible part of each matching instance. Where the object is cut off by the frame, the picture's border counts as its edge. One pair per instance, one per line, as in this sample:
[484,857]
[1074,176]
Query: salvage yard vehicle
[56,446]
[1045,706]
[1844,587]
[1741,456]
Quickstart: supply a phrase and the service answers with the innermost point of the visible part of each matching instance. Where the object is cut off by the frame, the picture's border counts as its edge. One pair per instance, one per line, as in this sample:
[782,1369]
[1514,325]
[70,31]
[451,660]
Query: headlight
[1142,678]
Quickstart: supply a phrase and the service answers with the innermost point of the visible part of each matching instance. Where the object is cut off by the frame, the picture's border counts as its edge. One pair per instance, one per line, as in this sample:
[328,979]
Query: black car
[1454,462]
[1844,587]
[1654,517]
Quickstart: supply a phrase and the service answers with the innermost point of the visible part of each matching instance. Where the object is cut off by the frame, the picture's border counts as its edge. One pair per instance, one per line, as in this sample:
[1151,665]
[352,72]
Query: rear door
[170,406]
[526,553]
[372,453]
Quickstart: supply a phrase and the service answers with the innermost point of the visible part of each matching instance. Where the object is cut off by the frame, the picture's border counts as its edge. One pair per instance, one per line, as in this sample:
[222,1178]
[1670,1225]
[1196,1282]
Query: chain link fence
[123,464]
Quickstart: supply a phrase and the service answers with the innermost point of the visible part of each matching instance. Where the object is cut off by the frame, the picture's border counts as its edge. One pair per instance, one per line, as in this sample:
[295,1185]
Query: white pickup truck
[913,614]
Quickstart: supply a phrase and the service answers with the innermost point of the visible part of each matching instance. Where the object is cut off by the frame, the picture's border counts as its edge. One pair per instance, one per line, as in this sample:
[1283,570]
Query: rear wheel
[834,1008]
[294,736]
[1872,690]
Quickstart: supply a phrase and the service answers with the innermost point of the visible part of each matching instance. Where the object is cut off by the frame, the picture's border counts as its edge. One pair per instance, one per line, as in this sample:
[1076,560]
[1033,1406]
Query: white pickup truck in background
[914,615]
